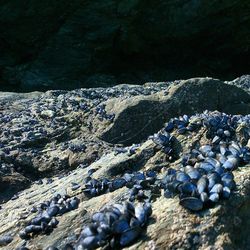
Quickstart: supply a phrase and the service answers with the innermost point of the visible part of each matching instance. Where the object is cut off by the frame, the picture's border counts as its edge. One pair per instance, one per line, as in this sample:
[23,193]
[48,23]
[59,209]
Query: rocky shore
[133,153]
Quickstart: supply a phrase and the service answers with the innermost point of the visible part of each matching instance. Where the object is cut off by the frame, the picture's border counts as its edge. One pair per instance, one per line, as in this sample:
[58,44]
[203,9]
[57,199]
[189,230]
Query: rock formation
[52,141]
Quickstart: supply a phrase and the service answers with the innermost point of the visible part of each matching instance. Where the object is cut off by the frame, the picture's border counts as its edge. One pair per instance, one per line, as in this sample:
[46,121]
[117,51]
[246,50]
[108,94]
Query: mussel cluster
[142,185]
[45,220]
[102,113]
[203,183]
[74,147]
[205,174]
[137,182]
[163,140]
[182,125]
[94,187]
[129,150]
[114,226]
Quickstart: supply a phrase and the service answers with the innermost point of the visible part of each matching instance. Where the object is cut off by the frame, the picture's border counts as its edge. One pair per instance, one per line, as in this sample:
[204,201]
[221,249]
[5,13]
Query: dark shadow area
[72,44]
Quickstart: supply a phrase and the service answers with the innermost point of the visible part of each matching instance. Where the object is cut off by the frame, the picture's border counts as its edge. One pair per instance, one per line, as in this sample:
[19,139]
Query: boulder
[139,117]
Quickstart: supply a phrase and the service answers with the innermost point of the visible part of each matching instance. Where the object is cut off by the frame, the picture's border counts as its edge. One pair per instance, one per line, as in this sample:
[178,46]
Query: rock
[11,184]
[46,164]
[47,113]
[243,82]
[140,116]
[68,45]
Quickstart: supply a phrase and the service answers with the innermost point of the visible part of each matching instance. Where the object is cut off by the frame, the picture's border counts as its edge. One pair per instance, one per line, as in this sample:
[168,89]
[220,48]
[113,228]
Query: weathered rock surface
[52,45]
[138,117]
[48,146]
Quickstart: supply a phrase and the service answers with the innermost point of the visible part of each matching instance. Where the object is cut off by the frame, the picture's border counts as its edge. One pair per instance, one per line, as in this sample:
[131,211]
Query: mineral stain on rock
[87,169]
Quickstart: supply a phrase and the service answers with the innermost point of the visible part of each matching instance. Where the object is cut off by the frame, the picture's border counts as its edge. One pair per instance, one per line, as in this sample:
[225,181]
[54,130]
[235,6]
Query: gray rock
[53,158]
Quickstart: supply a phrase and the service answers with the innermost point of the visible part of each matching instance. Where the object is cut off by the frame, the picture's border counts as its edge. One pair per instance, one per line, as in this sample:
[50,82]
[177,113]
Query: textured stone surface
[64,44]
[225,226]
[139,116]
